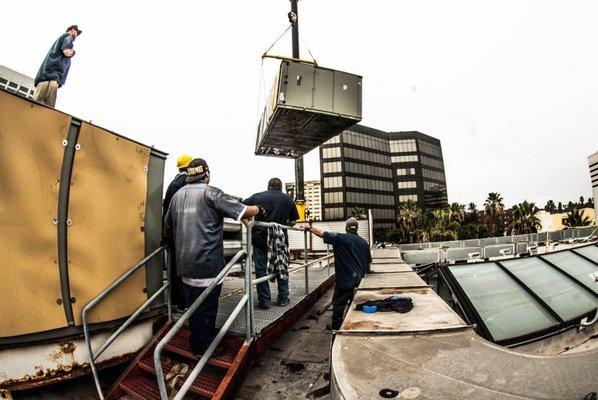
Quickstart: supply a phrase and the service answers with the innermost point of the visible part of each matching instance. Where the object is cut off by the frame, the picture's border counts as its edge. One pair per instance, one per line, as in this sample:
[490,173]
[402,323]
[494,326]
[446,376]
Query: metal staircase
[167,369]
[215,381]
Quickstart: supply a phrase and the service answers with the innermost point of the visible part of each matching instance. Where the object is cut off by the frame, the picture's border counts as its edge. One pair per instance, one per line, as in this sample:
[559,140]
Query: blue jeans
[260,258]
[203,320]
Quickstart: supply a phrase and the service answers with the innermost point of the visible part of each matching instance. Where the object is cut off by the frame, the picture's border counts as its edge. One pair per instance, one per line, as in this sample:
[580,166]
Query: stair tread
[205,384]
[180,345]
[141,388]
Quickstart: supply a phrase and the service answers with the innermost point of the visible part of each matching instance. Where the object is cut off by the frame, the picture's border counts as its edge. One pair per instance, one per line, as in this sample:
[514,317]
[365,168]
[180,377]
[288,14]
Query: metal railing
[164,288]
[181,322]
[250,282]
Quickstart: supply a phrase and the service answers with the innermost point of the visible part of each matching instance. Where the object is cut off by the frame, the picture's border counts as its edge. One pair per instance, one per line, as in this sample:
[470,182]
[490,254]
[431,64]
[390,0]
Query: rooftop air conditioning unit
[307,106]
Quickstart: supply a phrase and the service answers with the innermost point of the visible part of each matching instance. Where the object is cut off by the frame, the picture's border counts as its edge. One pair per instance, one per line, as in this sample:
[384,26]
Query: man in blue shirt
[55,67]
[281,209]
[352,259]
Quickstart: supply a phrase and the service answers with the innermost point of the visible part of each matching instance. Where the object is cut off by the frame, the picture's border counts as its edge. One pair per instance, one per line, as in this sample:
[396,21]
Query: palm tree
[494,213]
[550,206]
[358,212]
[524,219]
[457,212]
[575,218]
[408,219]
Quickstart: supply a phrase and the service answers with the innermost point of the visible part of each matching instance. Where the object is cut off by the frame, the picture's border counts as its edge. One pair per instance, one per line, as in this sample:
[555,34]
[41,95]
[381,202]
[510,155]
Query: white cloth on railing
[278,253]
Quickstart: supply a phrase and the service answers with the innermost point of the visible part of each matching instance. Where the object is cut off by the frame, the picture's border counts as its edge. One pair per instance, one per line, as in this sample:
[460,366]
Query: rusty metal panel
[107,213]
[31,154]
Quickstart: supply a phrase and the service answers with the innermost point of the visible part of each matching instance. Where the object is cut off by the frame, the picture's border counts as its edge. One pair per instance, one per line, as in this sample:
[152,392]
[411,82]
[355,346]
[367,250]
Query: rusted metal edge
[60,375]
[235,375]
[391,332]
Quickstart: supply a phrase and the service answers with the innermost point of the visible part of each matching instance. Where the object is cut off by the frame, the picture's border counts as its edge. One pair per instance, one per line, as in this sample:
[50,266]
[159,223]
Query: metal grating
[233,290]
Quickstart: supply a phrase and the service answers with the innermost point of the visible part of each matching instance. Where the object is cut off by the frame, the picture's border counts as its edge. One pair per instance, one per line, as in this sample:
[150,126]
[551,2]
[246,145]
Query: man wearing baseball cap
[195,221]
[180,180]
[352,259]
[55,67]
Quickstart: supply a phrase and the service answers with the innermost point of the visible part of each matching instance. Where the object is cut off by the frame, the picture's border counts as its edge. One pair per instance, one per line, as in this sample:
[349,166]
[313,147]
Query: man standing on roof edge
[282,210]
[352,259]
[55,67]
[195,219]
[180,180]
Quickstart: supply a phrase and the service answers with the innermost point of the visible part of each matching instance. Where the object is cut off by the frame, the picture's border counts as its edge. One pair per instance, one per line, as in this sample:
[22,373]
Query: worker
[195,221]
[55,67]
[281,209]
[352,259]
[180,180]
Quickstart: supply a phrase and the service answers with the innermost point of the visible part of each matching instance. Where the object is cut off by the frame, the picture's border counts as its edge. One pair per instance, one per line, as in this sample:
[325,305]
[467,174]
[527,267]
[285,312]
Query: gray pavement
[296,364]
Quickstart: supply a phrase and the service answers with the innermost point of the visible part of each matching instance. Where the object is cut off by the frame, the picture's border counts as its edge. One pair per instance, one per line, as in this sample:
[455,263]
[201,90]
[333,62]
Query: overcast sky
[509,87]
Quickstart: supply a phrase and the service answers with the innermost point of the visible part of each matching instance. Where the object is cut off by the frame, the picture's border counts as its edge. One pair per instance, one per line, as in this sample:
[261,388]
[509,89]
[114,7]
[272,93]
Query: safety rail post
[306,262]
[328,258]
[249,317]
[168,260]
[103,294]
[181,322]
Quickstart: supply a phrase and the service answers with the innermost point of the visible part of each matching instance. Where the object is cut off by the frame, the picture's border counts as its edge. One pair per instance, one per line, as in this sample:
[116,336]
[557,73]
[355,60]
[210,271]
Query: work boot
[283,303]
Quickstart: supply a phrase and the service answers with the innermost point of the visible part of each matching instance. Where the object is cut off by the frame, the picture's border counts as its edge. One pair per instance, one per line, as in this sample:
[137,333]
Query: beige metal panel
[383,268]
[107,210]
[31,154]
[429,312]
[390,281]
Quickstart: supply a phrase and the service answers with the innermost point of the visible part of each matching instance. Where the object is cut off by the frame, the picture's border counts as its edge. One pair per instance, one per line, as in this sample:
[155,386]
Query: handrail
[304,265]
[128,322]
[181,322]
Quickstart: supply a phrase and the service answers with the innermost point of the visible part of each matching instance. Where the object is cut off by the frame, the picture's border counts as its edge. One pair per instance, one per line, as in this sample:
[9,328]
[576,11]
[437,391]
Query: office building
[312,192]
[369,169]
[16,82]
[593,164]
[418,168]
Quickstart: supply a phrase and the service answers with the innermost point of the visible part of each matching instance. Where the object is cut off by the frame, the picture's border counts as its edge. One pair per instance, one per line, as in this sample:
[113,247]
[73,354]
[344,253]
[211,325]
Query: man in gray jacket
[195,220]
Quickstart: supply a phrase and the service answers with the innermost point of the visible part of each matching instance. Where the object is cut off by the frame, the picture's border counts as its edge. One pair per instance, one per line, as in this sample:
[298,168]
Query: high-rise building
[593,164]
[418,168]
[368,169]
[312,192]
[16,82]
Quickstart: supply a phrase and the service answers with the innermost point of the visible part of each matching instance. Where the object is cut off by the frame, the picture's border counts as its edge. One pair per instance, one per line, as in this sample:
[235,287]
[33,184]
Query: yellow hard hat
[183,161]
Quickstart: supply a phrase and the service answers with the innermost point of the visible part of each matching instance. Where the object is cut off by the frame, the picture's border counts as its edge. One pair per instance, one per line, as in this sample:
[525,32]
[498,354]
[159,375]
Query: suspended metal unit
[307,106]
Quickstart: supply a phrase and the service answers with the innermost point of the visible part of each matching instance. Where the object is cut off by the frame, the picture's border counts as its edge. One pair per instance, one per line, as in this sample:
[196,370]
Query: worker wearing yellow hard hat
[183,161]
[176,284]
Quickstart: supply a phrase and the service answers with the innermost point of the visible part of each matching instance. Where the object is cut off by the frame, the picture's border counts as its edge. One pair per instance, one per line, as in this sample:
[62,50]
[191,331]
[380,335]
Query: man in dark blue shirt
[352,259]
[55,67]
[180,180]
[281,209]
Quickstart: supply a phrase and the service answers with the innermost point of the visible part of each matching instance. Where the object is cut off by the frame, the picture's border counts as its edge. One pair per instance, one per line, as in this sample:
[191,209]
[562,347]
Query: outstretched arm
[316,231]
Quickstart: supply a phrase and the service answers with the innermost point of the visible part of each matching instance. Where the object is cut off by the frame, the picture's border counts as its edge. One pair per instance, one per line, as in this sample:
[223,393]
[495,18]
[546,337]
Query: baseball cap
[197,170]
[75,27]
[351,225]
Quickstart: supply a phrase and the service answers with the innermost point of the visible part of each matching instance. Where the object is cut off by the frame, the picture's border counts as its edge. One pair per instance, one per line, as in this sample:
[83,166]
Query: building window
[330,167]
[369,198]
[333,213]
[407,185]
[432,162]
[333,181]
[333,197]
[406,197]
[400,159]
[430,148]
[371,170]
[430,174]
[405,171]
[370,184]
[331,152]
[334,139]
[366,156]
[403,146]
